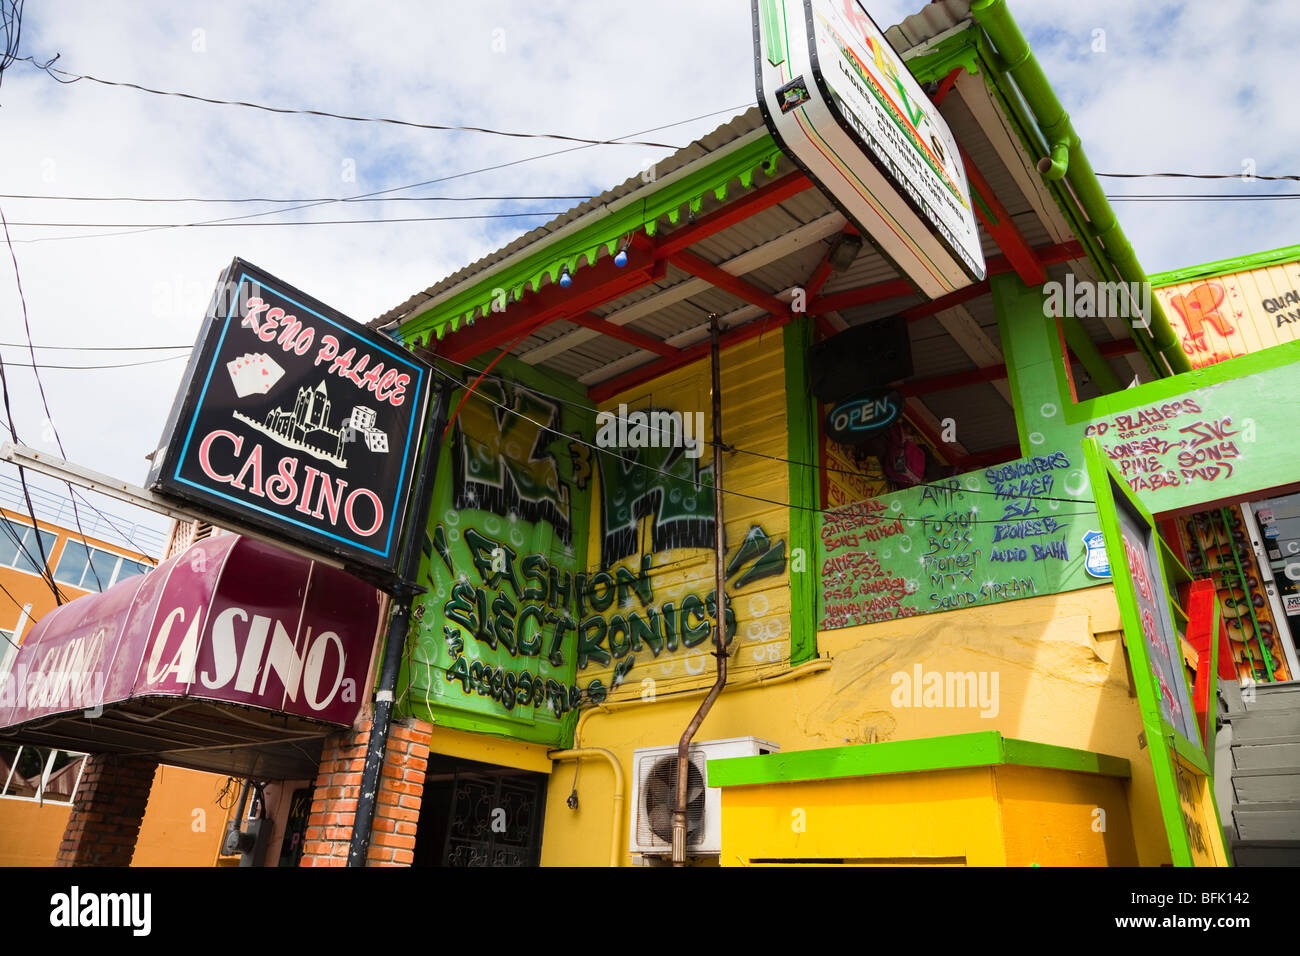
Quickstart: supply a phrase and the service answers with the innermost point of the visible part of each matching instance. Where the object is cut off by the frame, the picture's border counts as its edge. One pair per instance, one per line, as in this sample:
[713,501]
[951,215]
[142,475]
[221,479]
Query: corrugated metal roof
[780,246]
[708,146]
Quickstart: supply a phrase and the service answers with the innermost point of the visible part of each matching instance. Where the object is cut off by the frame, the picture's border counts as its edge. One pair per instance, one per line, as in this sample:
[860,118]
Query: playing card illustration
[254,374]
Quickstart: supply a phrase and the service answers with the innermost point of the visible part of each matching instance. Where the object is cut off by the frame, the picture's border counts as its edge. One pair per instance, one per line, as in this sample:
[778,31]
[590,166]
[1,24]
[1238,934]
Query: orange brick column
[397,805]
[107,811]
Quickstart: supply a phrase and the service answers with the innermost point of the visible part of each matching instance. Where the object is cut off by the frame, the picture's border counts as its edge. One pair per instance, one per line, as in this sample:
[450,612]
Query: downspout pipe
[399,623]
[578,753]
[1067,160]
[720,606]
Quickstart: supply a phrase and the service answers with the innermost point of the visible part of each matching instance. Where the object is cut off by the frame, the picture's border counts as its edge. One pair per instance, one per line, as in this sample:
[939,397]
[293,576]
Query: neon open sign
[858,419]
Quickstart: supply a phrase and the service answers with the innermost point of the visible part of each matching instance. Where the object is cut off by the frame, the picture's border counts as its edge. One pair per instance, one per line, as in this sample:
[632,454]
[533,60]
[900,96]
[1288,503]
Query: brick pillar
[107,811]
[338,784]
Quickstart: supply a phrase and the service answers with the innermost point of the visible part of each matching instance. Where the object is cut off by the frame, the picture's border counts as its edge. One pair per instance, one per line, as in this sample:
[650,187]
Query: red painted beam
[741,289]
[994,456]
[901,288]
[621,332]
[922,309]
[694,353]
[946,84]
[764,197]
[943,383]
[1003,231]
[1060,252]
[591,287]
[990,373]
[879,292]
[813,286]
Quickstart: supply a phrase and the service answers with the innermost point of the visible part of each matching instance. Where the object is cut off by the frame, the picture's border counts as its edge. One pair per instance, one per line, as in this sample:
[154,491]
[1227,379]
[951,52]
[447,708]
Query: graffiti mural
[1230,315]
[662,483]
[1217,547]
[1008,532]
[493,637]
[502,458]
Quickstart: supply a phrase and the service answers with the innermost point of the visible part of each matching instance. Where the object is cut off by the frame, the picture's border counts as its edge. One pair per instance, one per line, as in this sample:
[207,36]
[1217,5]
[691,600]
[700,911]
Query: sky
[1194,87]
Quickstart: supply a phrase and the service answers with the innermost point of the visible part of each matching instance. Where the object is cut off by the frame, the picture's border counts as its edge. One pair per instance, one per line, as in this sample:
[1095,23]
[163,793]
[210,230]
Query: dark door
[480,815]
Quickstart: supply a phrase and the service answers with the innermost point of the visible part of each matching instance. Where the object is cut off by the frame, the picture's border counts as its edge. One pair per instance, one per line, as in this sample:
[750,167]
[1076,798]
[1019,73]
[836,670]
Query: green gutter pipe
[1032,137]
[1067,160]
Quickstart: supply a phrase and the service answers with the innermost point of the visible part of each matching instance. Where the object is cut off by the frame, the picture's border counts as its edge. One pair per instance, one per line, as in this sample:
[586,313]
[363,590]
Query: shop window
[93,569]
[18,546]
[41,774]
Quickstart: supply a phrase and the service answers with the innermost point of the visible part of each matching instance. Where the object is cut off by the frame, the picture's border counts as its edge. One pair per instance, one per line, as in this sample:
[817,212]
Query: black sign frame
[180,474]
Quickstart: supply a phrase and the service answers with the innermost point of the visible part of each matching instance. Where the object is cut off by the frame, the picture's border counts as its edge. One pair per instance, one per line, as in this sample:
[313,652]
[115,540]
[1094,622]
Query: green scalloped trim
[583,248]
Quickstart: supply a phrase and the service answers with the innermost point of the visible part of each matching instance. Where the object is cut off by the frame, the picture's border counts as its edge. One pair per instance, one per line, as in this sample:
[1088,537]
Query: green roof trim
[958,50]
[605,231]
[1223,267]
[956,752]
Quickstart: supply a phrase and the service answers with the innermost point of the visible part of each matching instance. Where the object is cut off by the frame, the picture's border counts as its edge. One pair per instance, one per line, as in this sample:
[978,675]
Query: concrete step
[1266,752]
[1267,822]
[1279,853]
[1259,724]
[1283,694]
[1266,785]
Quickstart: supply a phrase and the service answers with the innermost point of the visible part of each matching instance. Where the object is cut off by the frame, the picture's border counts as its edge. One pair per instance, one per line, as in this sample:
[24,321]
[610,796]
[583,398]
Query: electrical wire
[788,461]
[88,368]
[741,494]
[308,222]
[49,418]
[49,69]
[1240,176]
[254,199]
[1203,197]
[98,348]
[394,189]
[11,14]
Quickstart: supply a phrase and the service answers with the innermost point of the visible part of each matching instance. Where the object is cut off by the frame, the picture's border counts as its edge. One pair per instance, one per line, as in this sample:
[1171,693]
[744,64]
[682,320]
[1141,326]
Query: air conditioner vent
[654,795]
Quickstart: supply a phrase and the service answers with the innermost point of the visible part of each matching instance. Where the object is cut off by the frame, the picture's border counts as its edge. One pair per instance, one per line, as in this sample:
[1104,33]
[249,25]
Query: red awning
[234,656]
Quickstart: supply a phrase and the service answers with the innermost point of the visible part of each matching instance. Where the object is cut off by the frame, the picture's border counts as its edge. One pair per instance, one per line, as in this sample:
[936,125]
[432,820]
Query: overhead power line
[99,348]
[1202,197]
[50,69]
[1244,178]
[393,189]
[309,222]
[257,199]
[42,365]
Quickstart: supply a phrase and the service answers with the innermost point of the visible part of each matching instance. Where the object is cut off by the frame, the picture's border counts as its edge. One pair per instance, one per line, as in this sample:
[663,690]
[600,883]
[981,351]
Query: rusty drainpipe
[720,606]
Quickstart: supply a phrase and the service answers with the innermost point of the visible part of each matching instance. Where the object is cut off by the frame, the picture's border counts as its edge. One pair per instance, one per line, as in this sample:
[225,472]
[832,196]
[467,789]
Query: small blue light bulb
[566,280]
[620,259]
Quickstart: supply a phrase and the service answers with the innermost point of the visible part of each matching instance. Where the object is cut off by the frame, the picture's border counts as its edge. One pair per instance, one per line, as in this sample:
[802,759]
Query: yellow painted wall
[753,383]
[984,816]
[1062,679]
[937,819]
[30,833]
[1050,818]
[183,824]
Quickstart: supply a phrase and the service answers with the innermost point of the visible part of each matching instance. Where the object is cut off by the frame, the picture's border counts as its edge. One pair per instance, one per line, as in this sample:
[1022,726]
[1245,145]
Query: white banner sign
[842,104]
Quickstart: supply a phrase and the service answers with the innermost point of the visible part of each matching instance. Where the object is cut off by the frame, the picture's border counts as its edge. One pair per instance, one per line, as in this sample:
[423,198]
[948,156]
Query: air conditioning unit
[654,795]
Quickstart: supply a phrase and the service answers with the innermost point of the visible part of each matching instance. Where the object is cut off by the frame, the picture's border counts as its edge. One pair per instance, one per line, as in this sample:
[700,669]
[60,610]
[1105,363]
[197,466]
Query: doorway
[479,814]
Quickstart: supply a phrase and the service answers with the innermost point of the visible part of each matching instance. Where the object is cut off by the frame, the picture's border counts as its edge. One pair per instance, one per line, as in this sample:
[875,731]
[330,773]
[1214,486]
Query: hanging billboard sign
[843,106]
[298,422]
